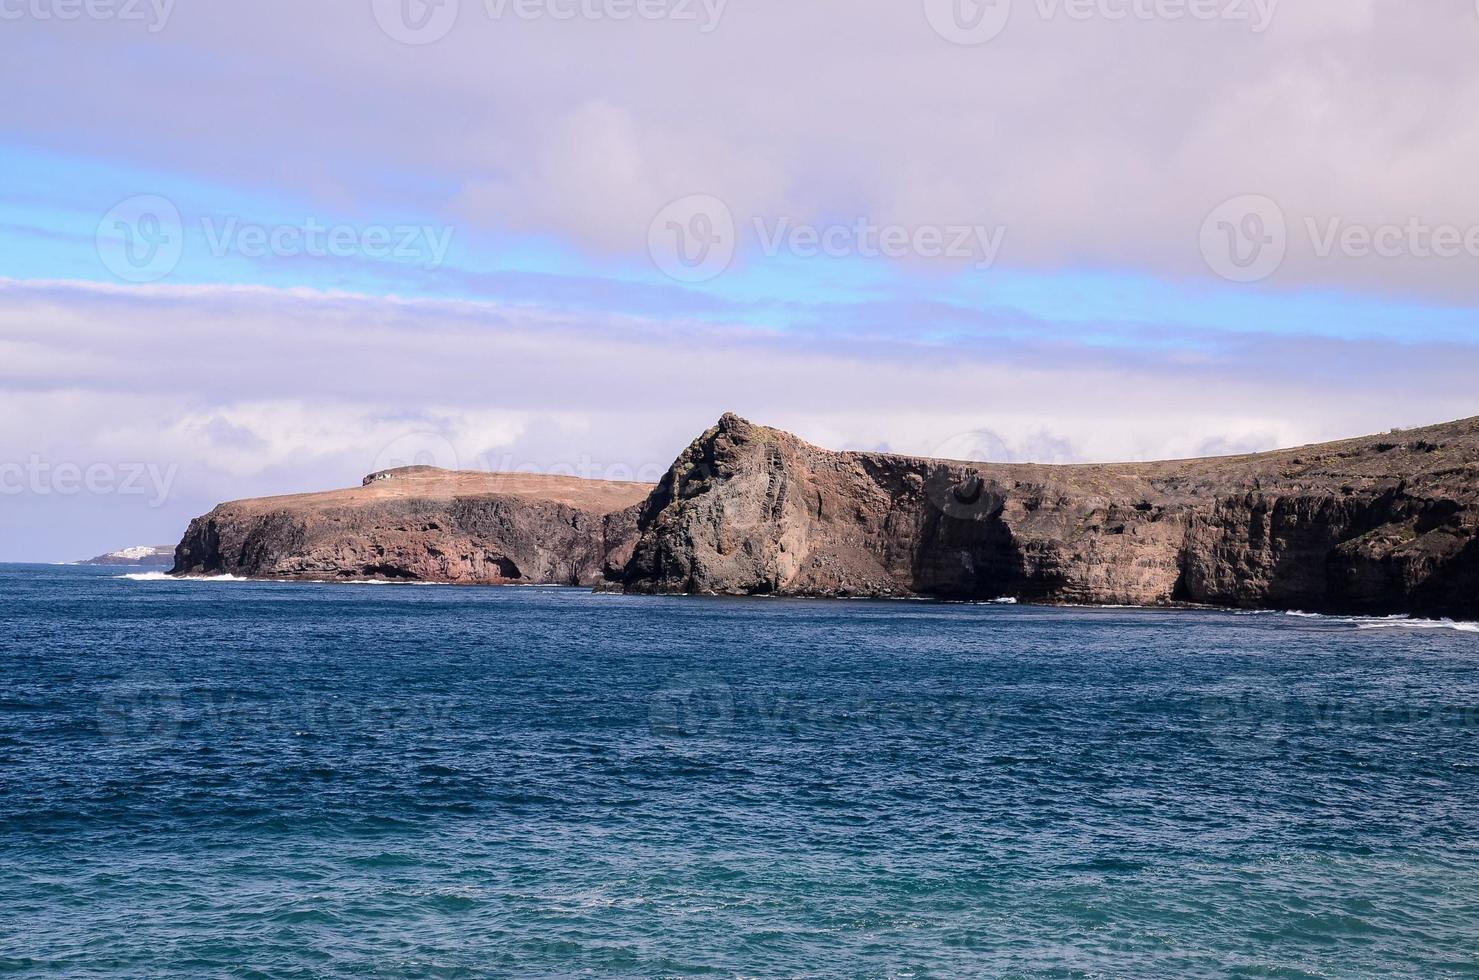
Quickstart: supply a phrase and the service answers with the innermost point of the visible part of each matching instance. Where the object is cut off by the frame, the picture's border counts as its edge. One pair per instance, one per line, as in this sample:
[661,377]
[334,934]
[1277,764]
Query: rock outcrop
[1384,524]
[142,556]
[1379,525]
[424,524]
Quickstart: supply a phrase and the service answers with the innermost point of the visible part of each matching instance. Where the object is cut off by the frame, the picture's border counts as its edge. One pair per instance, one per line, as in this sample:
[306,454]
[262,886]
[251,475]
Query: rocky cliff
[425,524]
[1385,524]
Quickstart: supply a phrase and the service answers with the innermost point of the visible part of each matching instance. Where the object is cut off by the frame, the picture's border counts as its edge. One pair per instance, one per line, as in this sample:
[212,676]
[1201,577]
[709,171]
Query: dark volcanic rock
[424,524]
[1385,524]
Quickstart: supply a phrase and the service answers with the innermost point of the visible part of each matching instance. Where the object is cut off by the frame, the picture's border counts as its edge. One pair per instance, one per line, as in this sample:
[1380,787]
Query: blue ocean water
[270,780]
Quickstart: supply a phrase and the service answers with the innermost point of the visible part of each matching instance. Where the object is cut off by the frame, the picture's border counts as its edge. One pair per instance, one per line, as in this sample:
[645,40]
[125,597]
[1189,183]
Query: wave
[1389,622]
[166,577]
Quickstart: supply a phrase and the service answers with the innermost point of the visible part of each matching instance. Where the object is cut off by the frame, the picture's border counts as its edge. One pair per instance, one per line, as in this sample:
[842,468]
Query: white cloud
[253,391]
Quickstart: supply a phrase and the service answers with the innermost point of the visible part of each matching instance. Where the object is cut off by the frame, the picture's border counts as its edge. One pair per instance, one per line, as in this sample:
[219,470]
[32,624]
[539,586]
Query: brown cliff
[1384,524]
[425,524]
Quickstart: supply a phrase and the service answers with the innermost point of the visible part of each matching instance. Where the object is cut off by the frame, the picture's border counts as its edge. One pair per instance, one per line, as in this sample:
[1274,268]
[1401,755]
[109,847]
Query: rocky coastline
[1378,525]
[421,524]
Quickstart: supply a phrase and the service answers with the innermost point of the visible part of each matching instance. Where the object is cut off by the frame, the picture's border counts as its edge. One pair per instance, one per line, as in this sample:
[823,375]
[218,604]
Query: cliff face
[425,524]
[1385,524]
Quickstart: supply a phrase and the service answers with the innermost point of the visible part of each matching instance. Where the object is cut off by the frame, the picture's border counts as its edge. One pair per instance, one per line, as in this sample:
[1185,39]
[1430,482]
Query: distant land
[150,555]
[419,523]
[1379,525]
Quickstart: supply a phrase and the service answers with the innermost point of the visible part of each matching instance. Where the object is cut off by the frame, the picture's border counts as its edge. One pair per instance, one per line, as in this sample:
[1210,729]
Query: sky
[268,248]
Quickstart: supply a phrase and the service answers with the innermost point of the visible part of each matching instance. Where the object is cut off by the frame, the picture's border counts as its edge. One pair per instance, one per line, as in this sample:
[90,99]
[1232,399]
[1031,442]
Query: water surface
[212,778]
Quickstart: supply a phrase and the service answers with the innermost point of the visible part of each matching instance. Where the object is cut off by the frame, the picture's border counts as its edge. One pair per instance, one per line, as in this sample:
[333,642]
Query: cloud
[248,391]
[1101,142]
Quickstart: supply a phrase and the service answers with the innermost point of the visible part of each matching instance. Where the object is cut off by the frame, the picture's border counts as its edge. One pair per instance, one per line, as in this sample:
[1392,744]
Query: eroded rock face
[425,524]
[1385,524]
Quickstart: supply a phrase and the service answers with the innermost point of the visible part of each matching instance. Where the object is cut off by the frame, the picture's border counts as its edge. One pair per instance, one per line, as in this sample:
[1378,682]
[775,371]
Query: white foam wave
[1389,622]
[167,577]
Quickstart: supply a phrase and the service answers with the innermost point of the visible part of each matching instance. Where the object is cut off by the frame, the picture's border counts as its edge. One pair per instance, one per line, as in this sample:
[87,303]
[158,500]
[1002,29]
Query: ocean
[212,778]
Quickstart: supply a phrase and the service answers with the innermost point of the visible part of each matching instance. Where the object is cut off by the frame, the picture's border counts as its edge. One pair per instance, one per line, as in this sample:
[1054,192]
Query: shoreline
[1373,618]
